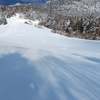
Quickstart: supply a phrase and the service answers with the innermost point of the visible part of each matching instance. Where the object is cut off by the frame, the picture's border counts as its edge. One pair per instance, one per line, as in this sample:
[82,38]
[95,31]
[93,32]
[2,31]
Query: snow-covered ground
[36,64]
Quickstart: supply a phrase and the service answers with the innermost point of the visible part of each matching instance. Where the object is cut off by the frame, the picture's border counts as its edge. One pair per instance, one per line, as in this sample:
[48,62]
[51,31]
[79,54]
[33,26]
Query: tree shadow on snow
[92,59]
[17,78]
[47,78]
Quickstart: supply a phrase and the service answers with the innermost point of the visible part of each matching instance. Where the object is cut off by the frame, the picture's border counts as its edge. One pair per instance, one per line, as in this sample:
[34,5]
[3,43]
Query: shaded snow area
[36,64]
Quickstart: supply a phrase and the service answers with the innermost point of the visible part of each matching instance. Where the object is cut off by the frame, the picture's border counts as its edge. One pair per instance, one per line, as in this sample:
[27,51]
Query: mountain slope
[36,64]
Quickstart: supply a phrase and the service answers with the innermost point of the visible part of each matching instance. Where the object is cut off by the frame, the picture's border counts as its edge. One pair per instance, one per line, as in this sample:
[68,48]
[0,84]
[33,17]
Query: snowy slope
[36,64]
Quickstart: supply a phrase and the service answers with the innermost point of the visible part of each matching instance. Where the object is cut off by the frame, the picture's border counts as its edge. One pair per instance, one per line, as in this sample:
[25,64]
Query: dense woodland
[70,18]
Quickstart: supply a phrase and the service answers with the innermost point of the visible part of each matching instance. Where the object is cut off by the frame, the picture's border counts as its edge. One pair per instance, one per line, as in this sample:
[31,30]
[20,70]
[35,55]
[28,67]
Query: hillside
[75,18]
[50,50]
[36,64]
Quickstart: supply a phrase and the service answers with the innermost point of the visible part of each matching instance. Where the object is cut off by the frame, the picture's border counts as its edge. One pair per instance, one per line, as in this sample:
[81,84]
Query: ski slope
[36,64]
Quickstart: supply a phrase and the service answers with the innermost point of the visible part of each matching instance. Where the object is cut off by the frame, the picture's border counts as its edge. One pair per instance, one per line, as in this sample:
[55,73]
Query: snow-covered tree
[2,19]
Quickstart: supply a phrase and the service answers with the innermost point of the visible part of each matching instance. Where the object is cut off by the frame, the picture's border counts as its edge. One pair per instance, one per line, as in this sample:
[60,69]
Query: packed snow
[36,64]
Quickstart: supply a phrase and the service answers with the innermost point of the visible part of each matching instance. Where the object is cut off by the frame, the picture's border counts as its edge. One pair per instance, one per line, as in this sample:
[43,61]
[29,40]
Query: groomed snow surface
[36,64]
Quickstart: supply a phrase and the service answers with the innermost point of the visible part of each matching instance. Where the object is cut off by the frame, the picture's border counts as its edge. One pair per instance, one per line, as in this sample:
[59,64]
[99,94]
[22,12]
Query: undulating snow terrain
[36,64]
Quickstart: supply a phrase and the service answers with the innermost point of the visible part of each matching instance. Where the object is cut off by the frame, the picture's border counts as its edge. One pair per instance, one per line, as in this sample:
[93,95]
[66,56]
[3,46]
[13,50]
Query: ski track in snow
[36,64]
[11,30]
